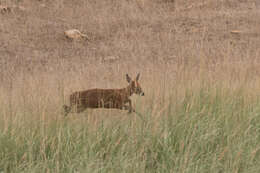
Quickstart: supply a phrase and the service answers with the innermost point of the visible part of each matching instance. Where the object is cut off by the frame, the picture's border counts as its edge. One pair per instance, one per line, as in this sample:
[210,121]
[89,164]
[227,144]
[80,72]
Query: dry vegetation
[200,67]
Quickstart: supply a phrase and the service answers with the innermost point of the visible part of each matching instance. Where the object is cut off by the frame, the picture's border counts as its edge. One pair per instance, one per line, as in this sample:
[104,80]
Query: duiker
[105,98]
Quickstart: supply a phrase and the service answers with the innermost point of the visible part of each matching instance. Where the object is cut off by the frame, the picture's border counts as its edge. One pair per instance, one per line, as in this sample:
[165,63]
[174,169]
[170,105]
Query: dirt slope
[138,32]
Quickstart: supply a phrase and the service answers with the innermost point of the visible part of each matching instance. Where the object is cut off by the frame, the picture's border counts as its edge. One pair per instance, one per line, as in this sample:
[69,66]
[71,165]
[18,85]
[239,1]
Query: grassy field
[195,127]
[199,63]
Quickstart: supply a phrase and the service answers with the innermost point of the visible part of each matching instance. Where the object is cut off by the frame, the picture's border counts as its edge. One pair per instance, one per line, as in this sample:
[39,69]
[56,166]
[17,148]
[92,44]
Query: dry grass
[201,82]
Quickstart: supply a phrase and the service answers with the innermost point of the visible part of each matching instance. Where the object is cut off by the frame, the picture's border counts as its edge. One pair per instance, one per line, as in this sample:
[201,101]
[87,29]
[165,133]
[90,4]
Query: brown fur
[104,98]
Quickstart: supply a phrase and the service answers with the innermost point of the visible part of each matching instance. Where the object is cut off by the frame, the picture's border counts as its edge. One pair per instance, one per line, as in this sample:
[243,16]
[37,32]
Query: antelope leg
[130,108]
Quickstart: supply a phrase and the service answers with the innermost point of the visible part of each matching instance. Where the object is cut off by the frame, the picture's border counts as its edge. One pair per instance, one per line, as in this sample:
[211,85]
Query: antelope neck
[129,90]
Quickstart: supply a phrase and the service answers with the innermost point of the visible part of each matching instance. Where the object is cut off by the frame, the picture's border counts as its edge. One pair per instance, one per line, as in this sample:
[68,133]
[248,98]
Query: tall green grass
[209,129]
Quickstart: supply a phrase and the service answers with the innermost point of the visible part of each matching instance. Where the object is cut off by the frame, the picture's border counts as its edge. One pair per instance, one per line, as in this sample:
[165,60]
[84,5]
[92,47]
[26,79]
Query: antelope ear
[128,79]
[137,77]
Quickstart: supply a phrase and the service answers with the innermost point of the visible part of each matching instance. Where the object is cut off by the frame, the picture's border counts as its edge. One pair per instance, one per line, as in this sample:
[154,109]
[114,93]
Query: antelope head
[134,85]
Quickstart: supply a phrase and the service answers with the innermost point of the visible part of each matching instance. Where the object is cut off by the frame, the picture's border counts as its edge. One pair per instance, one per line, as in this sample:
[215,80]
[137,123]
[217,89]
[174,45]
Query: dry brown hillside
[127,36]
